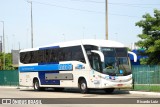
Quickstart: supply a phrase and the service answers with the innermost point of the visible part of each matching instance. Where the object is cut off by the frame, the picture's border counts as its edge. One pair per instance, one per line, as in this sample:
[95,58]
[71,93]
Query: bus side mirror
[134,55]
[100,54]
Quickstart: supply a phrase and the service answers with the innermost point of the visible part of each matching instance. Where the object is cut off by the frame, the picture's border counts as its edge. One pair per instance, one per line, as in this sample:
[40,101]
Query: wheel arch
[80,79]
[36,78]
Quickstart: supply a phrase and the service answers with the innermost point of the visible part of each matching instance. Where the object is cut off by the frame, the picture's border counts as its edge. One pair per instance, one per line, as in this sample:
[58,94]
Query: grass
[147,87]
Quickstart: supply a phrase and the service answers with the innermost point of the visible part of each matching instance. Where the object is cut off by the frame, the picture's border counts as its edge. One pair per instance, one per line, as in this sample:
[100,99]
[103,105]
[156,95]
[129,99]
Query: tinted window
[40,56]
[53,55]
[95,63]
[26,57]
[109,52]
[91,56]
[34,57]
[22,56]
[88,48]
[77,54]
[121,52]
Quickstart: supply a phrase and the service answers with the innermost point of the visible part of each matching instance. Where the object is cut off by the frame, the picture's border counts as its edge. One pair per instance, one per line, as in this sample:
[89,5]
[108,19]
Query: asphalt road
[68,96]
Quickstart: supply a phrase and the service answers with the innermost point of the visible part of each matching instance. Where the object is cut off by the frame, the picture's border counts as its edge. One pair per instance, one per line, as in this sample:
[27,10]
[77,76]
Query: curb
[8,86]
[145,93]
[16,87]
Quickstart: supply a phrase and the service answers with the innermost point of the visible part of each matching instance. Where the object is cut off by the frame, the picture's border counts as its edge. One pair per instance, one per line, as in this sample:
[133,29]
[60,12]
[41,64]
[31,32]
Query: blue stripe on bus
[48,67]
[47,82]
[52,47]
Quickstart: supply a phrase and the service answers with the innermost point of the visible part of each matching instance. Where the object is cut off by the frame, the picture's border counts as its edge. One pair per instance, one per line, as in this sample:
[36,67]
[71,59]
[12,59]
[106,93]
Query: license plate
[119,85]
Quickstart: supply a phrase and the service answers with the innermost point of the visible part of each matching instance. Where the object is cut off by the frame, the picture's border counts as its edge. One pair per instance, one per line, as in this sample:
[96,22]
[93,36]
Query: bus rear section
[53,66]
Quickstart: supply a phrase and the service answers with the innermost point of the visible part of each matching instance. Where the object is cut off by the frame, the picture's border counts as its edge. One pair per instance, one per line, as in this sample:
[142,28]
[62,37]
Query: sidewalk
[145,93]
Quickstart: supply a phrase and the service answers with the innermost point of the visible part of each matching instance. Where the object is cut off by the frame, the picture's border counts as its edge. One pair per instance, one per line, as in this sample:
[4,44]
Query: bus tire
[109,90]
[37,86]
[83,86]
[133,84]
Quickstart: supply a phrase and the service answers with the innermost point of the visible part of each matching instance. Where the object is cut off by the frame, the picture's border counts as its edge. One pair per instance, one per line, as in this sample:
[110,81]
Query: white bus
[83,64]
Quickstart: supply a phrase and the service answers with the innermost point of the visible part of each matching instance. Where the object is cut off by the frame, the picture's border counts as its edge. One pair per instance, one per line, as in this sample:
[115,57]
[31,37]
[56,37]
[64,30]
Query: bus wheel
[109,90]
[83,86]
[36,86]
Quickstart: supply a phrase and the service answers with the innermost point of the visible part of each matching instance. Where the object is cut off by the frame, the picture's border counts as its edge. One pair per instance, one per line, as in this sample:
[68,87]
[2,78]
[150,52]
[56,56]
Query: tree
[8,61]
[150,37]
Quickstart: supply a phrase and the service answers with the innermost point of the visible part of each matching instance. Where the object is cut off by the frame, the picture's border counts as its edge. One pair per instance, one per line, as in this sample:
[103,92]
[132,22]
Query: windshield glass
[115,61]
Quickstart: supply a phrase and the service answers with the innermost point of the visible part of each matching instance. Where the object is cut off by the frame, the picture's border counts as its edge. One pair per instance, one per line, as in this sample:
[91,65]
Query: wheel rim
[83,86]
[36,85]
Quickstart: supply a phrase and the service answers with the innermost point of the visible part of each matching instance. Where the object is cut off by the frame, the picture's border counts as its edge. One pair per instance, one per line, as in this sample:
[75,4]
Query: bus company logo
[80,66]
[65,67]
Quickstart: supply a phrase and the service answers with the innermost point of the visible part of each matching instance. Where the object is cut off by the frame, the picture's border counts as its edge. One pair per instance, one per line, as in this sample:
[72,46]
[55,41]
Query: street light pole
[31,25]
[3,47]
[106,19]
[1,44]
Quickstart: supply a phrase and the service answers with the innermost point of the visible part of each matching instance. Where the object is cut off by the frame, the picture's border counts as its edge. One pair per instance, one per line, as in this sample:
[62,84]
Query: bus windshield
[115,61]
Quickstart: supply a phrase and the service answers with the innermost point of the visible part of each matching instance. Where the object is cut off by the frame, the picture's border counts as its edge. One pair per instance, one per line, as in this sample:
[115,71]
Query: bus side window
[60,54]
[56,57]
[33,57]
[27,57]
[77,54]
[67,54]
[81,57]
[22,57]
[40,56]
[88,49]
[96,62]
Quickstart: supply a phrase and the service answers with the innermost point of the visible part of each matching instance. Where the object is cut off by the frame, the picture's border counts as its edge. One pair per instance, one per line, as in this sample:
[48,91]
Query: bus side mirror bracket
[100,54]
[134,55]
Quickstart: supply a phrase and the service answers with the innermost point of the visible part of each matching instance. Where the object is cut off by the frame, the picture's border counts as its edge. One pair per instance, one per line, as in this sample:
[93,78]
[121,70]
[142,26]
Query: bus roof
[96,42]
[102,43]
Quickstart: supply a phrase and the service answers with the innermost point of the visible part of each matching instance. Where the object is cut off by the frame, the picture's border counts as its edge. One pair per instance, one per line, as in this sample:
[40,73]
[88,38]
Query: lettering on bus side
[65,67]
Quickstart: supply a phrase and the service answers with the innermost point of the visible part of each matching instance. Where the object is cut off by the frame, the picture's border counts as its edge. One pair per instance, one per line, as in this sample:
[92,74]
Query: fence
[9,77]
[146,78]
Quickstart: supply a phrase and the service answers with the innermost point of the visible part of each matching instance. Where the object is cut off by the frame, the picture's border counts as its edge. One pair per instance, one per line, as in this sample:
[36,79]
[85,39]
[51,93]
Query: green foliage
[143,61]
[150,37]
[8,61]
[129,49]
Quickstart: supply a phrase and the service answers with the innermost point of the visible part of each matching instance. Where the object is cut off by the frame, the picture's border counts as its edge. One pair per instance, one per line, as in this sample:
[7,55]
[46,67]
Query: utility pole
[31,25]
[19,45]
[106,19]
[1,44]
[83,31]
[3,47]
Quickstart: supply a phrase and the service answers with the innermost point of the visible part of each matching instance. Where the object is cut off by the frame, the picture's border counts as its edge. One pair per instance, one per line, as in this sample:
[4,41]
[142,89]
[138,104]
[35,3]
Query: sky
[65,20]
